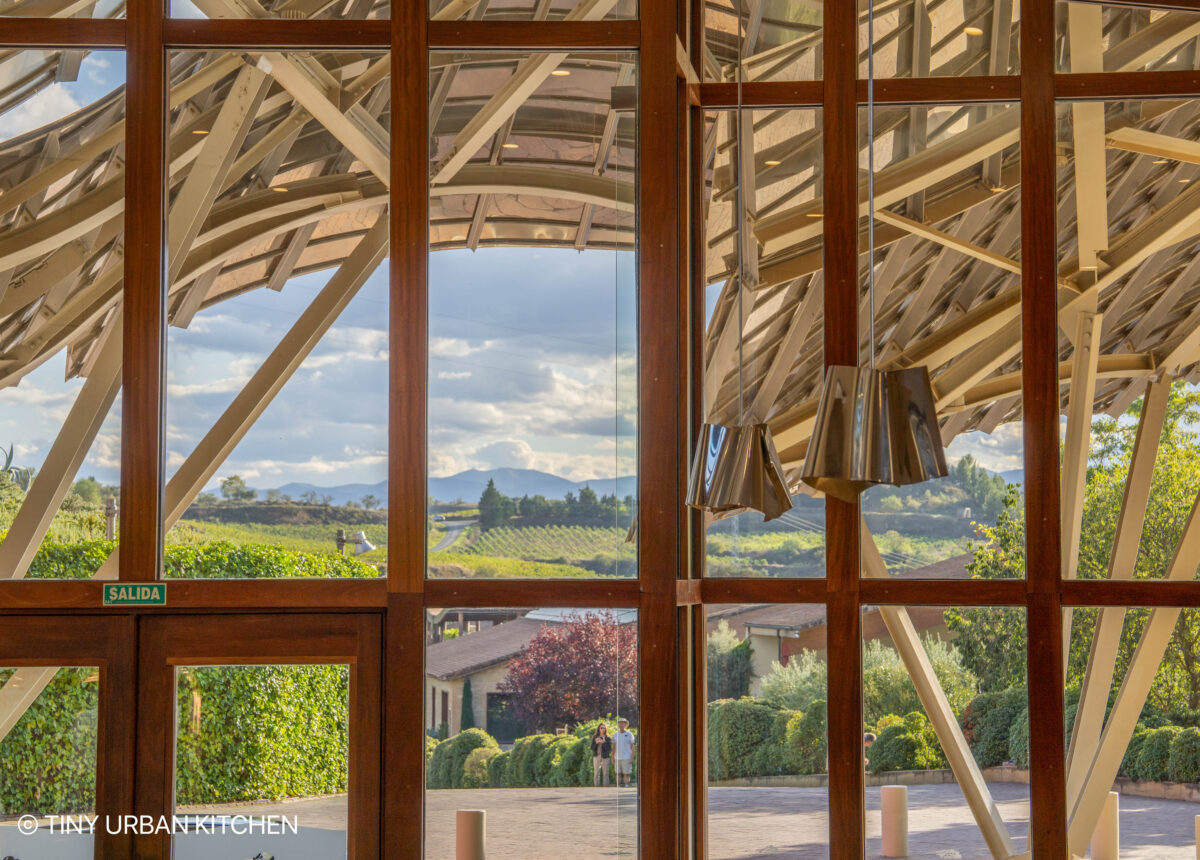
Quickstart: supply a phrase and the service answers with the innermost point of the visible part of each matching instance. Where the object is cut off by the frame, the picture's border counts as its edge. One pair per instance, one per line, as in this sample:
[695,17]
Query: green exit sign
[135,594]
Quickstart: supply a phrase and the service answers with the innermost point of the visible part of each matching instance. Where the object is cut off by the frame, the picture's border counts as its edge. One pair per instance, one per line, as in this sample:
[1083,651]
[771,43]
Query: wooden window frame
[670,593]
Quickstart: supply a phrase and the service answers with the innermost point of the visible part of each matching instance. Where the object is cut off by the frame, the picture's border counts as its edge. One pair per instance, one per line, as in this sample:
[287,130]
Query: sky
[532,365]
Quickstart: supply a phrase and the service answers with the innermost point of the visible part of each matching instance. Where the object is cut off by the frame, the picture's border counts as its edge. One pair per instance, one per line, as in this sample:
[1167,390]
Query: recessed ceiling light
[973,31]
[508,146]
[998,189]
[199,131]
[816,214]
[1184,181]
[1160,161]
[771,162]
[280,189]
[560,73]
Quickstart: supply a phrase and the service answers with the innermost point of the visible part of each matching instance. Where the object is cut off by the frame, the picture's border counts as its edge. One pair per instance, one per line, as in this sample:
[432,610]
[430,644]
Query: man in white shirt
[623,747]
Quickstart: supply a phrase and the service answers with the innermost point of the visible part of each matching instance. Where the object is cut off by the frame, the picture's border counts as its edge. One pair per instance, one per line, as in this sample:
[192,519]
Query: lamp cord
[871,177]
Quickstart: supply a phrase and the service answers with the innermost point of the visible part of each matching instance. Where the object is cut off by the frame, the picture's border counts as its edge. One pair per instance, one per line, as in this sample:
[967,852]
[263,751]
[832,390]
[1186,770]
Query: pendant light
[873,426]
[736,467]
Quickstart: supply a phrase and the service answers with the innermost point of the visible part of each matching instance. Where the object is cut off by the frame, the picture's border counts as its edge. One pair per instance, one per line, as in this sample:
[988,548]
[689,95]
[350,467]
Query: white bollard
[893,813]
[469,835]
[1107,835]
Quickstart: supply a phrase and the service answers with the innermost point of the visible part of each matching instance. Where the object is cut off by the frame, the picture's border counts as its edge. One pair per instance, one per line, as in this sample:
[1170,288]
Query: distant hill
[469,486]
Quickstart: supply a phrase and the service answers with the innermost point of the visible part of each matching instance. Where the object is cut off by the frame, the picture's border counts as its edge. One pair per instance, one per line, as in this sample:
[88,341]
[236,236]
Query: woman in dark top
[601,754]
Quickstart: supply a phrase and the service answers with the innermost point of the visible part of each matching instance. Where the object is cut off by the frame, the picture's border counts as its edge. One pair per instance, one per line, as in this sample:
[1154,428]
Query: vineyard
[551,543]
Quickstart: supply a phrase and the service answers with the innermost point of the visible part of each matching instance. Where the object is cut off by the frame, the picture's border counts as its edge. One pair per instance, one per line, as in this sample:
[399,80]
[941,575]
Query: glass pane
[262,761]
[1133,729]
[919,39]
[277,350]
[64,9]
[914,737]
[356,10]
[767,731]
[533,316]
[532,10]
[763,344]
[1111,38]
[61,276]
[1127,331]
[778,40]
[48,764]
[947,297]
[514,701]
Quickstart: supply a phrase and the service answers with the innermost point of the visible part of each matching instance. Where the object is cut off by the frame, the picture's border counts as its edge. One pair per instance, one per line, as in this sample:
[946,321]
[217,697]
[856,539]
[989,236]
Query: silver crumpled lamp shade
[737,468]
[874,427]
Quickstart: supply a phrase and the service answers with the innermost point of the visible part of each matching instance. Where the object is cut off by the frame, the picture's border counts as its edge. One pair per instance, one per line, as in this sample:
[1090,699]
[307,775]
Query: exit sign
[135,594]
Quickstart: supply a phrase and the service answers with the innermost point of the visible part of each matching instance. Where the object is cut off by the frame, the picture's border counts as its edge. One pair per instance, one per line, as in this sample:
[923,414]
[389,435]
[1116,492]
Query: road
[454,530]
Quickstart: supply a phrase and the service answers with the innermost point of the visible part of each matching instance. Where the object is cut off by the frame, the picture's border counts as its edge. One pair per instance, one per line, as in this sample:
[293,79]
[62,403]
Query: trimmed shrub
[1183,765]
[737,728]
[446,769]
[522,766]
[497,770]
[571,752]
[806,739]
[551,757]
[1156,753]
[1130,759]
[992,723]
[475,768]
[430,746]
[910,745]
[1018,740]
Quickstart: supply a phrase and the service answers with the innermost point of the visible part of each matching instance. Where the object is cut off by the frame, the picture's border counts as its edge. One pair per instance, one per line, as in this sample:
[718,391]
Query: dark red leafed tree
[579,670]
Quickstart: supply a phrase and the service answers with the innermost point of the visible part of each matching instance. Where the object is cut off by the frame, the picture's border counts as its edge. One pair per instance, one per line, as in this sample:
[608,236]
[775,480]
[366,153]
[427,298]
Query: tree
[234,489]
[730,664]
[495,509]
[370,502]
[274,495]
[467,719]
[89,489]
[575,671]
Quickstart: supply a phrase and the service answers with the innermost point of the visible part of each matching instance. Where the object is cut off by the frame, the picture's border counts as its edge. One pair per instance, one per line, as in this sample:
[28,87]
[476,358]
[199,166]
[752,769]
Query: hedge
[1155,753]
[522,769]
[446,770]
[737,730]
[477,766]
[1183,764]
[1130,759]
[907,745]
[497,769]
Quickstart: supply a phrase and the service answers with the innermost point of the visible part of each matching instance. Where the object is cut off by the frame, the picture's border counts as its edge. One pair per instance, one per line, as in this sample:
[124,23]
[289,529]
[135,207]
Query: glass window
[776,40]
[532,10]
[534,720]
[289,9]
[262,760]
[947,297]
[763,343]
[768,787]
[62,131]
[48,762]
[532,315]
[947,730]
[277,350]
[1095,37]
[919,39]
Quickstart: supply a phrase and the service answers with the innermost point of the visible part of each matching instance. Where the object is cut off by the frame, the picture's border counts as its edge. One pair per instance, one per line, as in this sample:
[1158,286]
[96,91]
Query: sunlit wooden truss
[279,167]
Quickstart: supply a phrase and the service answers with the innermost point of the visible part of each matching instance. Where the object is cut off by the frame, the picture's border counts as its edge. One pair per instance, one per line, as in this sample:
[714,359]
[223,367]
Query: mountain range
[469,486]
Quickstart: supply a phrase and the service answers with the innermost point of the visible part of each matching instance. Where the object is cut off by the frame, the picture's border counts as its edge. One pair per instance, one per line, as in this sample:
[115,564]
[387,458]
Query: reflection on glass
[1132,732]
[357,10]
[948,296]
[48,759]
[533,316]
[263,750]
[767,731]
[1114,38]
[61,259]
[532,10]
[915,39]
[533,717]
[776,40]
[922,741]
[277,380]
[763,341]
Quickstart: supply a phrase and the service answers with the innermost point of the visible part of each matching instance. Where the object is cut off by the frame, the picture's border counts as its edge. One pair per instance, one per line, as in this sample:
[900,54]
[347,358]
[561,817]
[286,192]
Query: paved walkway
[596,823]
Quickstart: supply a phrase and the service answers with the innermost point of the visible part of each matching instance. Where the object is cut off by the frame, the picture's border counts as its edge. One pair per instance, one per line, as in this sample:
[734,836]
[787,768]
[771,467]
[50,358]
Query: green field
[545,543]
[318,537]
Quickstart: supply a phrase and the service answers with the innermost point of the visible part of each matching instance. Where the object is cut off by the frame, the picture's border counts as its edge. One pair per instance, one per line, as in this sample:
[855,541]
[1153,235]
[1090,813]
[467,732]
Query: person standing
[601,754]
[623,750]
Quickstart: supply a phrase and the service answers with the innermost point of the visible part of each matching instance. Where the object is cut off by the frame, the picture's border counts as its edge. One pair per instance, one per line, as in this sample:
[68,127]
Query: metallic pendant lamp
[736,467]
[873,426]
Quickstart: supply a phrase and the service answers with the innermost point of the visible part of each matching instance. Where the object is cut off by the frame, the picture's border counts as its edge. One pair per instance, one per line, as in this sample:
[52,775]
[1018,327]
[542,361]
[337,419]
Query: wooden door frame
[106,643]
[168,641]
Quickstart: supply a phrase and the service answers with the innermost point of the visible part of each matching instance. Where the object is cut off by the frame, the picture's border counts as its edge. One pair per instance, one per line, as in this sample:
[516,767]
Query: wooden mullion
[844,618]
[62,32]
[536,35]
[144,321]
[955,91]
[762,94]
[1124,85]
[763,590]
[1181,5]
[600,592]
[1039,367]
[968,592]
[1139,592]
[661,403]
[273,32]
[198,596]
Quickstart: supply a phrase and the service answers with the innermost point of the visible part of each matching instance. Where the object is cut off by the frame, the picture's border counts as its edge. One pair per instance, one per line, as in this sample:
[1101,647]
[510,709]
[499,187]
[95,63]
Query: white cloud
[49,104]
